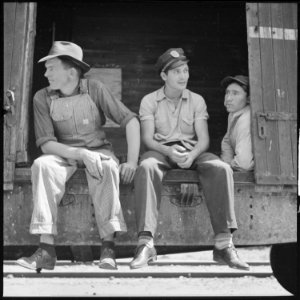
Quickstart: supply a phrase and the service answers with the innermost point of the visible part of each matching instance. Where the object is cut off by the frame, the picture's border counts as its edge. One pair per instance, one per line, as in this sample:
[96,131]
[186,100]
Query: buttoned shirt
[174,123]
[236,145]
[104,101]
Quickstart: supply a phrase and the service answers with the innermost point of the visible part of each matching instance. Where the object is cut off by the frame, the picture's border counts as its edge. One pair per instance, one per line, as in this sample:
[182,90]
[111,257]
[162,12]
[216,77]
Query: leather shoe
[142,256]
[40,259]
[230,257]
[108,256]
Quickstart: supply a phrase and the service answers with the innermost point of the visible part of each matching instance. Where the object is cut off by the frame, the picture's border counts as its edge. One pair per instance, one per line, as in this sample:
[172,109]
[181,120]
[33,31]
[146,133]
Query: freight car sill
[172,177]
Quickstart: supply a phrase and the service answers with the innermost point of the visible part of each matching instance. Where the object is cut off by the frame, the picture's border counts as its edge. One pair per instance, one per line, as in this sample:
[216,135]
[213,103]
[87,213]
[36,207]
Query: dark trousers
[215,176]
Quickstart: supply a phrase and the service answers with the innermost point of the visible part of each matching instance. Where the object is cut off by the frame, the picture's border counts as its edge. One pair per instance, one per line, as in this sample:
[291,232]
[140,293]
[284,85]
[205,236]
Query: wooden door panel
[19,32]
[272,46]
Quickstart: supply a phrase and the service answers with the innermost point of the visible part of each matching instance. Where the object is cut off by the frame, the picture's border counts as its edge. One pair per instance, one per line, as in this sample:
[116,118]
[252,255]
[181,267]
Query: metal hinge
[262,117]
[9,107]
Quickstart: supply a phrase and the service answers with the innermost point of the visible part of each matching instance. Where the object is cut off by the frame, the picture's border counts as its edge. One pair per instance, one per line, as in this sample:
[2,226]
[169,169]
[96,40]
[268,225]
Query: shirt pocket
[63,121]
[187,125]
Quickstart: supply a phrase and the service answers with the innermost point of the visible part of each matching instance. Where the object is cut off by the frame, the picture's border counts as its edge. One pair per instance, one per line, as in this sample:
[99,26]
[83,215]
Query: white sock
[223,240]
[146,240]
[47,239]
[109,238]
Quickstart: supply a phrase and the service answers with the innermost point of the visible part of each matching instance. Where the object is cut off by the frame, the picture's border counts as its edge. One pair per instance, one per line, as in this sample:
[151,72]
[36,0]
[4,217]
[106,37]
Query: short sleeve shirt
[174,123]
[105,102]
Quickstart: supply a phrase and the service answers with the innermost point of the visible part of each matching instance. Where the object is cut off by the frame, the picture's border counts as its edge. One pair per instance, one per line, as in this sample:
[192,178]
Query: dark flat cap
[172,58]
[238,79]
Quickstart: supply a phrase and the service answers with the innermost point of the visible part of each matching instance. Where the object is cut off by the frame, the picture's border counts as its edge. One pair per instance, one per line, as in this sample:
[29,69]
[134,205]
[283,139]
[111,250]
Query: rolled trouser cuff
[40,228]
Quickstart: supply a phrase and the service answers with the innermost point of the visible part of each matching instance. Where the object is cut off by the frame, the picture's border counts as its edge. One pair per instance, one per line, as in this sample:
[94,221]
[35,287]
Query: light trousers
[215,176]
[49,176]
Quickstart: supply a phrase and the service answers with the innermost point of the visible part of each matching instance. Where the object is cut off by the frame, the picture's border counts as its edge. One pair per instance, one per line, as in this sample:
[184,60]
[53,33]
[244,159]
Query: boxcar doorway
[130,36]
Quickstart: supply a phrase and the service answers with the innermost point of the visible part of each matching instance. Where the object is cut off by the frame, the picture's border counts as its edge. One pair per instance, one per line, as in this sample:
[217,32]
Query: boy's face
[177,78]
[57,75]
[235,98]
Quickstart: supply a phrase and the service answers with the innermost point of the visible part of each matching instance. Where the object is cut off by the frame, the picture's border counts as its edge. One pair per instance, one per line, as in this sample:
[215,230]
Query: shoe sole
[107,266]
[32,268]
[223,262]
[108,263]
[153,258]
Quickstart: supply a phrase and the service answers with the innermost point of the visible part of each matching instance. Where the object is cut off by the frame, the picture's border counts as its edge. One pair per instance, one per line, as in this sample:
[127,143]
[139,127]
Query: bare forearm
[202,137]
[156,146]
[199,148]
[62,150]
[133,140]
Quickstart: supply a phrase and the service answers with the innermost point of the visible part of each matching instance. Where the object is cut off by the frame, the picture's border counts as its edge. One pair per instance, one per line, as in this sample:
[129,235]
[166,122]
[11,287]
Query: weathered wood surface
[19,32]
[264,215]
[272,40]
[290,20]
[172,176]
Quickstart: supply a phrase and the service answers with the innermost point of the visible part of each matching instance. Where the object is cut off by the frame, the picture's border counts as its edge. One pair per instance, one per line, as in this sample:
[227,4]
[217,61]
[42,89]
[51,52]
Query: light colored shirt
[174,123]
[236,145]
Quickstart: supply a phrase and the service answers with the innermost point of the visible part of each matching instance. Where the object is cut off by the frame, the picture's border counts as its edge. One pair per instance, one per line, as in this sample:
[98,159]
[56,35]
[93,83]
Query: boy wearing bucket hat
[68,119]
[174,130]
[236,145]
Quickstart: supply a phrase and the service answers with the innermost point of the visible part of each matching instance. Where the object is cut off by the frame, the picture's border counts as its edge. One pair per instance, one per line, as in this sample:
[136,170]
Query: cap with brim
[174,64]
[68,50]
[170,59]
[244,80]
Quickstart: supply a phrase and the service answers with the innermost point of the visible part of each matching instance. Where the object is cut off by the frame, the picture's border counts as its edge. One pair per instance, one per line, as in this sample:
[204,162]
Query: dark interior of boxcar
[131,36]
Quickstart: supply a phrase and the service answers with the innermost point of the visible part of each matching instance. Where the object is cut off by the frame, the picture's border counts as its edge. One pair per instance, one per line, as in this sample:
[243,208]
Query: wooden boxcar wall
[131,36]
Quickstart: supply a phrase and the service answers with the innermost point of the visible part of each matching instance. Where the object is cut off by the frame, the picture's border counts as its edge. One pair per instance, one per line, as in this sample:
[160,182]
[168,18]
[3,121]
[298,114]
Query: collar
[82,89]
[240,112]
[160,95]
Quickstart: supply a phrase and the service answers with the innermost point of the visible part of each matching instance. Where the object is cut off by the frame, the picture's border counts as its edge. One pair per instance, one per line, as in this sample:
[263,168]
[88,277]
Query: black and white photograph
[150,149]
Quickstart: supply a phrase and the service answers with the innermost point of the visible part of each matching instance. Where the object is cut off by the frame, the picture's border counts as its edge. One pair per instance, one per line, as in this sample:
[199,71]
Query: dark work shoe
[230,257]
[108,256]
[142,256]
[40,259]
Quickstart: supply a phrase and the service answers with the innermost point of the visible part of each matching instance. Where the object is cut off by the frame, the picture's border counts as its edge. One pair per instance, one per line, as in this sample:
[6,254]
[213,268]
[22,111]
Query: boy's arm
[127,170]
[176,153]
[202,145]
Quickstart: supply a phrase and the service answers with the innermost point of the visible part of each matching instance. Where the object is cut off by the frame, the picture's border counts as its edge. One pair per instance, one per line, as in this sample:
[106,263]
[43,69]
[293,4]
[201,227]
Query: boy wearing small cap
[68,119]
[236,145]
[174,131]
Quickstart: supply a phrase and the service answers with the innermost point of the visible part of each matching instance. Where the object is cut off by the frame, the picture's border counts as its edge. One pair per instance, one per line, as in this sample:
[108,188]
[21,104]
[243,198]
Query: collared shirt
[237,144]
[174,123]
[105,102]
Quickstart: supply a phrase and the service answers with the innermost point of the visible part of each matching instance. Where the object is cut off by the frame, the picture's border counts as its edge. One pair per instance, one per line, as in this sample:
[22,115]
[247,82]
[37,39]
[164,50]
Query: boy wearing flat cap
[174,130]
[68,119]
[236,145]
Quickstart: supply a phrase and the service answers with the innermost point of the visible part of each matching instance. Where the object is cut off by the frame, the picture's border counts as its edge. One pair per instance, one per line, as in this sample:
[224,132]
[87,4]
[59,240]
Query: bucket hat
[70,50]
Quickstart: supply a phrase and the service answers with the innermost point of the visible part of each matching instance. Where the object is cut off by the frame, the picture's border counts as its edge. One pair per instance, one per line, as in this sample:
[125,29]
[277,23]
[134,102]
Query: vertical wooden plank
[28,40]
[285,153]
[256,92]
[10,12]
[9,21]
[268,85]
[275,155]
[289,12]
[19,32]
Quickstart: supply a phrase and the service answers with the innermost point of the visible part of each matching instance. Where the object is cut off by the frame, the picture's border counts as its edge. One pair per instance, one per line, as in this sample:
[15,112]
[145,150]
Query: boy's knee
[147,164]
[110,165]
[40,162]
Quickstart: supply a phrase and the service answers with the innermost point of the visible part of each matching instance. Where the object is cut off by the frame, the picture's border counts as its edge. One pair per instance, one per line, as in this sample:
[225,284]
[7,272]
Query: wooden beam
[172,177]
